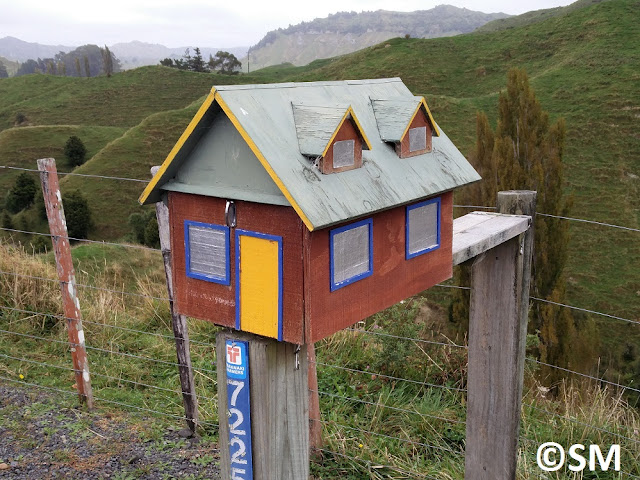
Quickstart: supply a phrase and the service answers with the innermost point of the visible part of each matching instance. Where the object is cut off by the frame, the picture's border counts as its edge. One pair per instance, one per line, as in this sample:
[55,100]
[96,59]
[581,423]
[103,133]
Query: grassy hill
[583,65]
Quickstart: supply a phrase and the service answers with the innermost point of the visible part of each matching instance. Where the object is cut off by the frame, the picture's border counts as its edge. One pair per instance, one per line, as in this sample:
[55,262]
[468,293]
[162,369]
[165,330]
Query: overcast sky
[204,23]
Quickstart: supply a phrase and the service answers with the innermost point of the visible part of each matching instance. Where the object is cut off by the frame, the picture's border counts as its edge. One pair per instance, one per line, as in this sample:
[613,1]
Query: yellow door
[259,283]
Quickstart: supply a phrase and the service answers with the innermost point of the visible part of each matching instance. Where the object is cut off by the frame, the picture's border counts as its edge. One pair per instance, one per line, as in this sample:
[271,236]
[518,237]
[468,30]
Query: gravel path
[45,437]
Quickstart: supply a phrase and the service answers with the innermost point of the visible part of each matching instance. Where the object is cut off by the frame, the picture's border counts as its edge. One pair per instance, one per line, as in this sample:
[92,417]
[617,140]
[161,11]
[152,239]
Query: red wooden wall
[215,302]
[394,277]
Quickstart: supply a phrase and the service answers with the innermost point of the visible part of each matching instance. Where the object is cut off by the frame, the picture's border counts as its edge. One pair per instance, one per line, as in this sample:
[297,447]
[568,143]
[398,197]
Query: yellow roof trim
[263,160]
[358,126]
[421,103]
[176,148]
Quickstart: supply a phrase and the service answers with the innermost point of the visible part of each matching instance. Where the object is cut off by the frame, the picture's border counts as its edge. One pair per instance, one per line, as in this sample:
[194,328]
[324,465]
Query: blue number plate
[238,408]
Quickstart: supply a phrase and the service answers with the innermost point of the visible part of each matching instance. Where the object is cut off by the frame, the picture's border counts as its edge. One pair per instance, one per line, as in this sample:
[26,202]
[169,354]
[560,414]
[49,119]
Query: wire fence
[365,413]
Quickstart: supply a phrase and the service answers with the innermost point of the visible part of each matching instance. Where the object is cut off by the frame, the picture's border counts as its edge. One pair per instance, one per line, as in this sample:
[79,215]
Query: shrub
[75,151]
[22,194]
[77,214]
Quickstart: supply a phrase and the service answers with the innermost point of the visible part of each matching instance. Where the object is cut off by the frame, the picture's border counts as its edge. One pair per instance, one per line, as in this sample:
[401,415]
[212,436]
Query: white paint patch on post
[81,337]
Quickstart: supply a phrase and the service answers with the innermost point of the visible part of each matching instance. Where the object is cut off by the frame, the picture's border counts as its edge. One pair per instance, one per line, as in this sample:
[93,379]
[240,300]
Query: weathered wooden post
[497,338]
[266,435]
[64,266]
[178,322]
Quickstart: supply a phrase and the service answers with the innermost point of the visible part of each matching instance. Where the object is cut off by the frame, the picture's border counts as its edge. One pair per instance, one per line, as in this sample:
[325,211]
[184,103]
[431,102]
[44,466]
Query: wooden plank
[279,407]
[178,322]
[500,282]
[478,232]
[66,274]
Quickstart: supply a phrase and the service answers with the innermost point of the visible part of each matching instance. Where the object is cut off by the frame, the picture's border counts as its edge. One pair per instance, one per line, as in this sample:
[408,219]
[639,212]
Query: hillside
[347,32]
[534,16]
[583,65]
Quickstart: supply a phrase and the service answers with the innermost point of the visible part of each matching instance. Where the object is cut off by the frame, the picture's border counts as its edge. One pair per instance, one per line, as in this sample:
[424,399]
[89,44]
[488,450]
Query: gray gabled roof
[264,117]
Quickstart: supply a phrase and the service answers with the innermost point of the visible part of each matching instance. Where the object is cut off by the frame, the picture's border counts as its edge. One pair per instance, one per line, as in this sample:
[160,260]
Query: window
[351,253]
[417,139]
[207,251]
[344,153]
[422,227]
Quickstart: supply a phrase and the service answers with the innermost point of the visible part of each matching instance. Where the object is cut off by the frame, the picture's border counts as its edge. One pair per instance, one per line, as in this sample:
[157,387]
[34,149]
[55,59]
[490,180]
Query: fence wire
[322,364]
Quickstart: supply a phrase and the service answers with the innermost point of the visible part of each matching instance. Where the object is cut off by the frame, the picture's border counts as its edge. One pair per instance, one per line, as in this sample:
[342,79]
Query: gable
[222,165]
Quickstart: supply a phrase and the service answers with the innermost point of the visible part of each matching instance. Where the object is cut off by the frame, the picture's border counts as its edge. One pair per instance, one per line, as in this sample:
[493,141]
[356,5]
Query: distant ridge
[19,51]
[347,32]
[131,54]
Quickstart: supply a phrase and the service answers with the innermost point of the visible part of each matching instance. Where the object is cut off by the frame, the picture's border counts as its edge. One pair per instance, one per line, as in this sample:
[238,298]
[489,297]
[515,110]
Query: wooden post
[498,315]
[178,322]
[279,409]
[315,426]
[64,266]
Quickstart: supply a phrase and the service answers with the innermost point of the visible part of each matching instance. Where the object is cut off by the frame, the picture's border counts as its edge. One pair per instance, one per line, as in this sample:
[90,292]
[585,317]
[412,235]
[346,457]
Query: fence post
[178,322]
[275,419]
[64,266]
[315,425]
[498,316]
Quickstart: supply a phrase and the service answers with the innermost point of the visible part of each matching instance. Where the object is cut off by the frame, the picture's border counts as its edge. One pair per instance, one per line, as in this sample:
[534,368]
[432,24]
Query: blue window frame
[351,253]
[207,252]
[422,228]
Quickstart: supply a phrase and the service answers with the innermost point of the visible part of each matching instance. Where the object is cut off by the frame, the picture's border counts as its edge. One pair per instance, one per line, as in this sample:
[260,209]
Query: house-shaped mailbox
[299,209]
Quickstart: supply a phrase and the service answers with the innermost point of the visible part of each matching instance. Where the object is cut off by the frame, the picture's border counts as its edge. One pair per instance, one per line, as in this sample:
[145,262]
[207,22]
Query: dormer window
[405,123]
[331,136]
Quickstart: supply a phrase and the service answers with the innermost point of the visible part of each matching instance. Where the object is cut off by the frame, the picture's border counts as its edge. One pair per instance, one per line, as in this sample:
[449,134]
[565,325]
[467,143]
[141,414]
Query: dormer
[330,135]
[405,123]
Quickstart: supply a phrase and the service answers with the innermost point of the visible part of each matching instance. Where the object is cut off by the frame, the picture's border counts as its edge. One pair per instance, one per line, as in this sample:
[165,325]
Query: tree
[225,63]
[22,194]
[77,214]
[78,69]
[75,151]
[196,63]
[3,71]
[107,61]
[87,66]
[525,152]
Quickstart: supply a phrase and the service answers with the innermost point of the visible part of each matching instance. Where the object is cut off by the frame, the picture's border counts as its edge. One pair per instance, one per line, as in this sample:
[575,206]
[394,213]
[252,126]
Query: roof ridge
[255,86]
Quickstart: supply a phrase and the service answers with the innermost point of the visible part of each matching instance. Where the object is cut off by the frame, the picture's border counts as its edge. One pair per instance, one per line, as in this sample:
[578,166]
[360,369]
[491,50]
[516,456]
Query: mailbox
[299,209]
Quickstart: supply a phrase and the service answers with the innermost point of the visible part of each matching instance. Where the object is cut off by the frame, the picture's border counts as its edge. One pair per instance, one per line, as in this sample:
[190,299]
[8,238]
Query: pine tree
[22,194]
[526,153]
[107,61]
[75,151]
[77,214]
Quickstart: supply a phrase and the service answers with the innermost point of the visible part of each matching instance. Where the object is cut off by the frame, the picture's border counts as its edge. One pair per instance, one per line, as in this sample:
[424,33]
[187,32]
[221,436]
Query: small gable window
[422,227]
[351,253]
[417,139]
[207,251]
[344,153]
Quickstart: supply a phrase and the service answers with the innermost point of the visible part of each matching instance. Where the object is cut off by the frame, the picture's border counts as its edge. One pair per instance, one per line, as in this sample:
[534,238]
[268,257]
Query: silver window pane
[423,227]
[350,253]
[208,251]
[417,139]
[344,153]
